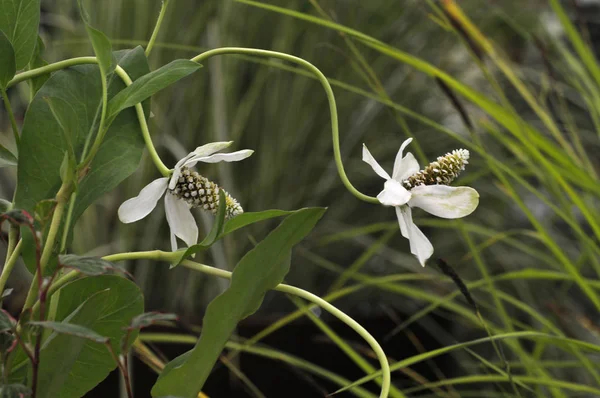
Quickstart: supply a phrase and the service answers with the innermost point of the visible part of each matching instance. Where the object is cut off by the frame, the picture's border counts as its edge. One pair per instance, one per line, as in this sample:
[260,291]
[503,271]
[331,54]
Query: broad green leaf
[7,61]
[214,233]
[7,158]
[37,61]
[246,219]
[71,329]
[60,352]
[109,317]
[150,84]
[67,120]
[19,20]
[38,173]
[91,266]
[260,270]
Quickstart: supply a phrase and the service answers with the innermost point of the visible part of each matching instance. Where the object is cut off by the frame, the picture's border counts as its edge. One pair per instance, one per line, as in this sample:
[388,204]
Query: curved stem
[30,74]
[11,116]
[385,367]
[330,97]
[161,15]
[139,110]
[8,266]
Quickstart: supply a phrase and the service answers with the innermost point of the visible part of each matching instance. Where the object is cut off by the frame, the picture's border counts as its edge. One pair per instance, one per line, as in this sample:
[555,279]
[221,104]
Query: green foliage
[7,63]
[150,84]
[261,269]
[7,158]
[19,21]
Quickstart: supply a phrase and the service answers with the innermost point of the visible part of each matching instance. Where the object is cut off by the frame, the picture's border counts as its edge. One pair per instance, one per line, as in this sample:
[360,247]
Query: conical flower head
[199,191]
[441,172]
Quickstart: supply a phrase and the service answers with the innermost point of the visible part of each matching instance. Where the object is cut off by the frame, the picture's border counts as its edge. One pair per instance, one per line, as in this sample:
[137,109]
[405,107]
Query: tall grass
[524,101]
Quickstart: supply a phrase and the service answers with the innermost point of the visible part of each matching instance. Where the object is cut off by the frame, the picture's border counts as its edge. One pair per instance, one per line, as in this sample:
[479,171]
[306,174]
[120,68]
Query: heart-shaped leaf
[261,269]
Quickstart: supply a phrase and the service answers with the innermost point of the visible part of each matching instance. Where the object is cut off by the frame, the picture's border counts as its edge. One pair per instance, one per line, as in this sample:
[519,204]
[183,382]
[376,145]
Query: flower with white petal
[428,189]
[185,189]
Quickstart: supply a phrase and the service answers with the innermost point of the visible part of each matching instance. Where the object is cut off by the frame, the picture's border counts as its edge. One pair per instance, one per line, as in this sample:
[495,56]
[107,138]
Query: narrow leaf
[246,219]
[71,329]
[91,266]
[259,270]
[150,318]
[149,84]
[8,66]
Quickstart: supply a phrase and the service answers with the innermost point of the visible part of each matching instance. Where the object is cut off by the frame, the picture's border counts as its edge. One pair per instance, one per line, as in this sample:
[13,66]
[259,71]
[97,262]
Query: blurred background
[283,115]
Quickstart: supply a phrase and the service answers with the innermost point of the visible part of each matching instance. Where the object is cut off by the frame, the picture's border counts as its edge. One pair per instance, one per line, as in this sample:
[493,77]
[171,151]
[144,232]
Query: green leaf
[8,66]
[110,303]
[7,322]
[246,219]
[150,318]
[37,62]
[261,269]
[91,266]
[100,43]
[212,236]
[67,120]
[38,173]
[150,84]
[7,158]
[19,20]
[71,329]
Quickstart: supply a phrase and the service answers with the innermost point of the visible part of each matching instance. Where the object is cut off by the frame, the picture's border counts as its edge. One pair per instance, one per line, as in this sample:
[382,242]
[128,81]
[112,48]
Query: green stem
[139,110]
[164,170]
[44,70]
[161,15]
[330,97]
[385,367]
[11,116]
[9,265]
[62,197]
[13,234]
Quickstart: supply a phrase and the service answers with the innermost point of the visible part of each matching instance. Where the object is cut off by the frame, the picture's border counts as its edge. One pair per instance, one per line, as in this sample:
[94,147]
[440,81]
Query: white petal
[393,194]
[444,201]
[402,164]
[368,158]
[173,242]
[405,167]
[180,219]
[403,226]
[139,207]
[420,246]
[220,157]
[209,149]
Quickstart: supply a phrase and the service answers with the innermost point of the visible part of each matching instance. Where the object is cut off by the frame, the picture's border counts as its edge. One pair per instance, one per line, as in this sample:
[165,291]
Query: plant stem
[161,15]
[122,368]
[164,170]
[385,367]
[9,265]
[11,116]
[102,129]
[330,97]
[62,197]
[30,74]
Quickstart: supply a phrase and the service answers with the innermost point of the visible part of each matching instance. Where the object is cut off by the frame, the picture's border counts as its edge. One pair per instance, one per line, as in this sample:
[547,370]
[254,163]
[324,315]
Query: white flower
[180,218]
[406,189]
